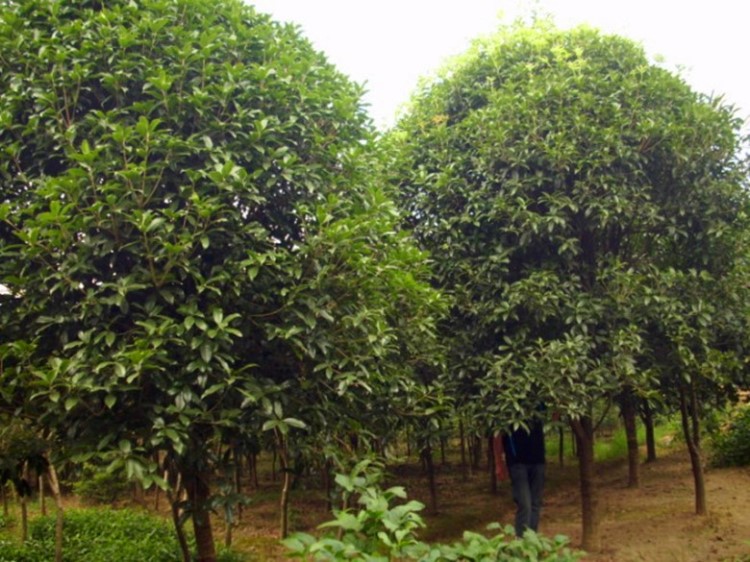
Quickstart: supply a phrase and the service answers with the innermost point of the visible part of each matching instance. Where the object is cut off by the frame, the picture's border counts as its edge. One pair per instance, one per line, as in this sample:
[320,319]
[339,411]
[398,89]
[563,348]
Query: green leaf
[206,352]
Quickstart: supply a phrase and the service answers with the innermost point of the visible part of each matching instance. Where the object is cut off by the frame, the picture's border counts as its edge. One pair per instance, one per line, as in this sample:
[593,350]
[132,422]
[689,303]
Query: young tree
[168,171]
[552,174]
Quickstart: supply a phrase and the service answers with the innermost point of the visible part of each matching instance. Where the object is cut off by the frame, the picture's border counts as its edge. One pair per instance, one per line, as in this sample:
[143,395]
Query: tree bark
[692,440]
[54,484]
[491,461]
[584,432]
[462,441]
[477,450]
[23,499]
[42,496]
[197,485]
[286,486]
[561,447]
[174,505]
[648,422]
[430,466]
[628,410]
[238,465]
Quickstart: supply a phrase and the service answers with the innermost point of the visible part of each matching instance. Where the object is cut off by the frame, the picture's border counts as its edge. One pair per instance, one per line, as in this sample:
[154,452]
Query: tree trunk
[54,485]
[693,445]
[23,499]
[228,532]
[238,482]
[584,432]
[42,497]
[492,461]
[561,448]
[174,505]
[628,410]
[430,466]
[198,490]
[462,440]
[286,486]
[477,450]
[328,483]
[4,492]
[648,422]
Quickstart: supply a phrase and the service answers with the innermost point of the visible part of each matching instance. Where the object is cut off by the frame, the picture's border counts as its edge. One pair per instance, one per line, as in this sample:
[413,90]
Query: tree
[553,174]
[167,169]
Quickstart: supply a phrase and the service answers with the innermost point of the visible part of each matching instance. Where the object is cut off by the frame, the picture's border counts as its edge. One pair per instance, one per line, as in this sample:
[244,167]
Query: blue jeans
[527,484]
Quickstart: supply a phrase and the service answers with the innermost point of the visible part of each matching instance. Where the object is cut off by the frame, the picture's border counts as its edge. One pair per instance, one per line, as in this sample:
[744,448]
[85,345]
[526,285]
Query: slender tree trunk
[561,447]
[254,470]
[477,452]
[197,485]
[695,415]
[430,466]
[328,484]
[228,524]
[23,499]
[238,481]
[628,410]
[584,432]
[442,450]
[286,486]
[174,505]
[54,484]
[693,445]
[462,440]
[491,461]
[42,497]
[648,423]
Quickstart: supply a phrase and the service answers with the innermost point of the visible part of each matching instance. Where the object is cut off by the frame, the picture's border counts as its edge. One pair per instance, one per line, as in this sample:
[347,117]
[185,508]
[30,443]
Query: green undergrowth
[613,446]
[385,526]
[100,535]
[730,444]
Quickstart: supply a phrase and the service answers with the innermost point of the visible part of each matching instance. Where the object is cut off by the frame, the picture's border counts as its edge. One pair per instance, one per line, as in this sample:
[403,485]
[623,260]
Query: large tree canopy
[562,183]
[185,228]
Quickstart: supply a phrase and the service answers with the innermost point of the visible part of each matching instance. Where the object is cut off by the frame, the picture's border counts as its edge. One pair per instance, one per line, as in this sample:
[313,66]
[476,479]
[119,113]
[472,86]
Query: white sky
[389,44]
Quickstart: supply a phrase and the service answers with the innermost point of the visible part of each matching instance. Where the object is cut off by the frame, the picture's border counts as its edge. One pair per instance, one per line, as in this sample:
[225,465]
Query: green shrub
[97,485]
[731,444]
[101,535]
[380,532]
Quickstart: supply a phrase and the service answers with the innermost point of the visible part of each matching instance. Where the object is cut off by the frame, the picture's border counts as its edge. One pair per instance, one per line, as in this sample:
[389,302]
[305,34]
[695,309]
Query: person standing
[523,449]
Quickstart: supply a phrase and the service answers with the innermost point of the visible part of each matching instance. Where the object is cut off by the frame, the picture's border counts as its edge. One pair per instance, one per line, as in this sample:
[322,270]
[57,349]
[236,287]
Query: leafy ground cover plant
[385,528]
[731,445]
[101,535]
[98,485]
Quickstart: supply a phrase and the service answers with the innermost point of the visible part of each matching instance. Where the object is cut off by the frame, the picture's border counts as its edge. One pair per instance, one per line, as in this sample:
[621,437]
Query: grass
[610,447]
[99,534]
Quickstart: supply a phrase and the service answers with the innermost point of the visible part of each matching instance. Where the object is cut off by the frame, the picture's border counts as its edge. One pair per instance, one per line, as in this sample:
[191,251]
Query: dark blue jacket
[525,447]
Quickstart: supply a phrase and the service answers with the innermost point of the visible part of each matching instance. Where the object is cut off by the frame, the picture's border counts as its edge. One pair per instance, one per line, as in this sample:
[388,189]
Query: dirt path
[655,523]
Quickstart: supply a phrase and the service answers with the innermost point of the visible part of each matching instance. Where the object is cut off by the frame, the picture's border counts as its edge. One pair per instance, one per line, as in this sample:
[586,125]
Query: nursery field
[655,523]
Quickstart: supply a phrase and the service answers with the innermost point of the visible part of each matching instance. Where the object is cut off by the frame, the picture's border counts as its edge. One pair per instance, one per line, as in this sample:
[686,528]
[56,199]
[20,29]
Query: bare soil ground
[655,523]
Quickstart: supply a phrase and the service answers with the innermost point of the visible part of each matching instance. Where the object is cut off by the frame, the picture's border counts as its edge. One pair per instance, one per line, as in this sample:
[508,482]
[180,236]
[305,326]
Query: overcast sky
[389,44]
